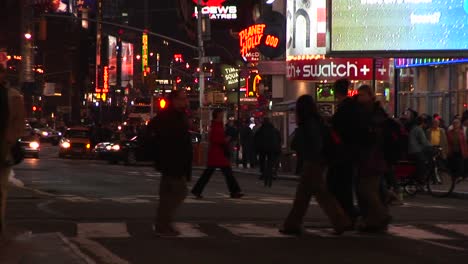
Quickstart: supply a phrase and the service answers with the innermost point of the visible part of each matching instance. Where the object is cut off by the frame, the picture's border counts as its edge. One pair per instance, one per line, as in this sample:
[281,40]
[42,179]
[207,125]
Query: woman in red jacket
[218,157]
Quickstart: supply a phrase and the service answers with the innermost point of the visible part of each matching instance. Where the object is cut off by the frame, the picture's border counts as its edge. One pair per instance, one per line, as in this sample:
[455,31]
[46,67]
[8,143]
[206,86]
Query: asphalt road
[107,211]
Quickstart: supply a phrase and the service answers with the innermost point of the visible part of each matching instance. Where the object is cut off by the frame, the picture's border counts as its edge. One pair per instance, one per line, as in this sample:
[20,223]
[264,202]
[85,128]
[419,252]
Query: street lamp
[27,36]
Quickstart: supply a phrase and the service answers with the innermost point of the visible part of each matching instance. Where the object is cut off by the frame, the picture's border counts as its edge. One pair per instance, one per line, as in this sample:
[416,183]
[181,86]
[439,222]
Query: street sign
[214,59]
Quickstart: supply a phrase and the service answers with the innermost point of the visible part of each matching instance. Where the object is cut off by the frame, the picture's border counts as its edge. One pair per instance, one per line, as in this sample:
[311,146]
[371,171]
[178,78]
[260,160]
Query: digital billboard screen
[112,56]
[398,25]
[127,64]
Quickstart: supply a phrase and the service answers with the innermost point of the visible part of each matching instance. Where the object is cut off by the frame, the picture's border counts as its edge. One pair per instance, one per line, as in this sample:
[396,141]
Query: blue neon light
[410,62]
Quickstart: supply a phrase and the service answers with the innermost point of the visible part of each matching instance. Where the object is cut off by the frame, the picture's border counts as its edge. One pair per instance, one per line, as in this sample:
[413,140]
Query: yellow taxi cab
[76,142]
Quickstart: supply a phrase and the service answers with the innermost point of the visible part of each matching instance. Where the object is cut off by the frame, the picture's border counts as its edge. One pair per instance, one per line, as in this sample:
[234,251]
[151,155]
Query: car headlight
[65,145]
[45,133]
[109,147]
[115,147]
[60,133]
[34,145]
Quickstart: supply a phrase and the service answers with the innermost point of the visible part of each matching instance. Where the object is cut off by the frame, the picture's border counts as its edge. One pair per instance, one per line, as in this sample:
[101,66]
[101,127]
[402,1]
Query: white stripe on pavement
[461,229]
[189,230]
[253,230]
[413,232]
[102,230]
[103,254]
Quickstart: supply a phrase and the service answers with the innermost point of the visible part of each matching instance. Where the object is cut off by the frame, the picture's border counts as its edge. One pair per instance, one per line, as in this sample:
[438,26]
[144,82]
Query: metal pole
[238,112]
[201,52]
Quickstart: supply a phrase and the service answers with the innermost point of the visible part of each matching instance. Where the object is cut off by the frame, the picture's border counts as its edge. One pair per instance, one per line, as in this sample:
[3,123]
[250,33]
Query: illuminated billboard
[216,10]
[398,25]
[112,55]
[306,28]
[127,64]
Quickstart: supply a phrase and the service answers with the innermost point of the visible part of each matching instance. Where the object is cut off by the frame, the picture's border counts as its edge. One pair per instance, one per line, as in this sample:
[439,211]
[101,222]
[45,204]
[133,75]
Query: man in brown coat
[11,128]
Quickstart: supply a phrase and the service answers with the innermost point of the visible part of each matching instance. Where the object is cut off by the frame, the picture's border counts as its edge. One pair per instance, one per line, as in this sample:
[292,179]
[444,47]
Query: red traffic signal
[34,108]
[162,103]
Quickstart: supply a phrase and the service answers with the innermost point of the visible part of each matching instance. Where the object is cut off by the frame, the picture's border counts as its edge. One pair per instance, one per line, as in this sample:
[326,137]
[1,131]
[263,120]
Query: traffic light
[34,108]
[162,104]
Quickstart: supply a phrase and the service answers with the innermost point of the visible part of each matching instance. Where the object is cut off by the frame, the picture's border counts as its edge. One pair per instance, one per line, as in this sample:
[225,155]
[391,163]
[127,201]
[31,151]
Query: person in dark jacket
[173,158]
[311,136]
[268,145]
[218,157]
[371,119]
[247,143]
[341,176]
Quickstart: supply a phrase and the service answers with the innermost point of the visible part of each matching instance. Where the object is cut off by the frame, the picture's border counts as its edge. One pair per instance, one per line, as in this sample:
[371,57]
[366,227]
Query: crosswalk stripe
[102,230]
[78,199]
[253,230]
[413,232]
[127,200]
[189,230]
[461,229]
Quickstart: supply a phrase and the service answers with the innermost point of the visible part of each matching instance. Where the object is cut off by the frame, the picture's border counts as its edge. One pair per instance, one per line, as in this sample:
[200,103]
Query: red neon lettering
[106,80]
[272,41]
[250,37]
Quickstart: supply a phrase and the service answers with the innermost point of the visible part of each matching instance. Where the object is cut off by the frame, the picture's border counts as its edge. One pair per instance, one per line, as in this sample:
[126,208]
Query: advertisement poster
[127,64]
[399,25]
[306,27]
[112,55]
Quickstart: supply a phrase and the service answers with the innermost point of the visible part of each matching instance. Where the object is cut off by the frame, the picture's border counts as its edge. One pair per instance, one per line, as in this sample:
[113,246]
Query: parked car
[76,142]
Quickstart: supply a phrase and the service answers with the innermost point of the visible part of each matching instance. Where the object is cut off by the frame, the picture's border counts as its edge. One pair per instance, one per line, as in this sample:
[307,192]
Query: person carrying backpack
[268,145]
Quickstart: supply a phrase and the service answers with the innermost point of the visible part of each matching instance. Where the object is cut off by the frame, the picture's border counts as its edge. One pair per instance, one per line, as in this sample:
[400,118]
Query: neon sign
[417,62]
[144,60]
[105,88]
[214,9]
[272,41]
[250,38]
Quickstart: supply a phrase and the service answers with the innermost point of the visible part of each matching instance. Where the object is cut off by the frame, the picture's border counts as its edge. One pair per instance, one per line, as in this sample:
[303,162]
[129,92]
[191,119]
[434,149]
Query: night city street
[233,131]
[106,211]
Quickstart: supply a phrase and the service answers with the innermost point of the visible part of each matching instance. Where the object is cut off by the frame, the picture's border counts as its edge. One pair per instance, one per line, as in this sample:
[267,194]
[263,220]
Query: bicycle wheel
[440,183]
[410,189]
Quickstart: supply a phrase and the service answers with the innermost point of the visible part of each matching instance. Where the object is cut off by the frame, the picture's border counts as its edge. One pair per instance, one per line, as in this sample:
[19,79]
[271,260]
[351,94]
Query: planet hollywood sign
[333,69]
[215,10]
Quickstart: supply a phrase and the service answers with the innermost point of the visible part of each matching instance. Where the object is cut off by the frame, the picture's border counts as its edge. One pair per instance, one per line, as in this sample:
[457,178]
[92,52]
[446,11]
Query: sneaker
[237,195]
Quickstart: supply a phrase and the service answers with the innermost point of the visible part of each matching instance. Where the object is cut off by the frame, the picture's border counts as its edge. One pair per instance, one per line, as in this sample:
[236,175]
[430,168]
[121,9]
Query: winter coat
[461,141]
[218,147]
[172,143]
[443,141]
[268,139]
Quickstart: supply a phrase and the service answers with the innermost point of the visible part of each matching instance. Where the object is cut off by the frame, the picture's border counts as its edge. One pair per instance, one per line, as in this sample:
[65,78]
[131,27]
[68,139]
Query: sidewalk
[50,248]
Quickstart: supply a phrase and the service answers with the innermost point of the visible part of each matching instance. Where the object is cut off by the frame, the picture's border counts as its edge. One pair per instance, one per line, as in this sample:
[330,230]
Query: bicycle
[438,182]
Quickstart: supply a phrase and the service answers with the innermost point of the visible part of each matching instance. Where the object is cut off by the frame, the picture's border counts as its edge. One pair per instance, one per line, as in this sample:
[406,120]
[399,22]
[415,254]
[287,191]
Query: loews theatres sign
[216,10]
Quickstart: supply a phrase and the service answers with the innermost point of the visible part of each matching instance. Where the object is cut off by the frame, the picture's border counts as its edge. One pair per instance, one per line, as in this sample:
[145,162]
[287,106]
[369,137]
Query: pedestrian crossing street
[427,232]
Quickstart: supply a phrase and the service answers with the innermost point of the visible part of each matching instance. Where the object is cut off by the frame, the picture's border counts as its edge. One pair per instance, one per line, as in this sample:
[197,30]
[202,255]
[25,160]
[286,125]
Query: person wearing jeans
[219,154]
